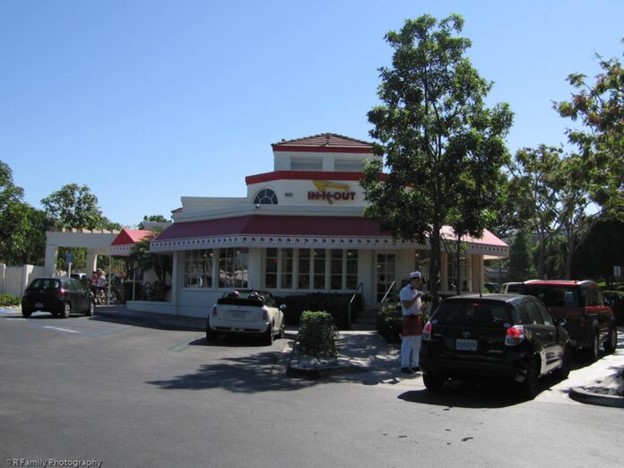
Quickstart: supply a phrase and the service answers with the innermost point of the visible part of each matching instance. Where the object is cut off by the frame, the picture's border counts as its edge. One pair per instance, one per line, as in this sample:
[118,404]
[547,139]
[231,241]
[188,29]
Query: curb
[583,395]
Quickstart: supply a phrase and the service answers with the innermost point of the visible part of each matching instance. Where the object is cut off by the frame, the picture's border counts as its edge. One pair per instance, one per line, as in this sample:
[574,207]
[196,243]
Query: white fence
[14,279]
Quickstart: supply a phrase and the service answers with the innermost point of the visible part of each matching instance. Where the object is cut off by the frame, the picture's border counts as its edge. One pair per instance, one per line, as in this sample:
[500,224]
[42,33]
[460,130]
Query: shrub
[616,301]
[335,304]
[9,300]
[317,334]
[390,323]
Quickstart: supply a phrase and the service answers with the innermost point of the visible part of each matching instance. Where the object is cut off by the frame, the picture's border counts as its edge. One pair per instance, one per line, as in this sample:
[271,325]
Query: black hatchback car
[493,336]
[60,296]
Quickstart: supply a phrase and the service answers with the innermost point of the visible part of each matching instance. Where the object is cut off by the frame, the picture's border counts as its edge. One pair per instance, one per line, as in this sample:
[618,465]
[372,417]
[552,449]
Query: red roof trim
[302,175]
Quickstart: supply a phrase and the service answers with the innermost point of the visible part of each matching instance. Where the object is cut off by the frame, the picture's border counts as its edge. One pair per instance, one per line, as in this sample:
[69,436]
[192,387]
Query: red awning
[294,232]
[125,240]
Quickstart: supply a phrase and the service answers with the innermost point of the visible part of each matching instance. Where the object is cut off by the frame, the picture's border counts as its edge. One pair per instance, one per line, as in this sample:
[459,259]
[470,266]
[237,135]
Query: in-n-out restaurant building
[300,229]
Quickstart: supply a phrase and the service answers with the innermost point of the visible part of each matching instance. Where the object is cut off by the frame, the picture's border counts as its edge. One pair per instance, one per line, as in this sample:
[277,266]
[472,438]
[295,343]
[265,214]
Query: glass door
[385,275]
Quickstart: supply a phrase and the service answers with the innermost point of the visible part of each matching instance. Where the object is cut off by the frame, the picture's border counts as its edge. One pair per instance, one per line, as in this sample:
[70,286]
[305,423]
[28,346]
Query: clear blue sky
[146,101]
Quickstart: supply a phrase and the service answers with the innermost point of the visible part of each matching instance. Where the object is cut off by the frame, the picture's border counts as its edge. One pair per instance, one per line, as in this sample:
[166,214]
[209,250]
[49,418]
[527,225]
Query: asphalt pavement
[601,383]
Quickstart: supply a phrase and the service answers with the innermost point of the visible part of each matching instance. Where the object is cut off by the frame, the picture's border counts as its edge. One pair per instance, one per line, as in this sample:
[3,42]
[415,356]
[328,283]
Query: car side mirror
[282,307]
[562,322]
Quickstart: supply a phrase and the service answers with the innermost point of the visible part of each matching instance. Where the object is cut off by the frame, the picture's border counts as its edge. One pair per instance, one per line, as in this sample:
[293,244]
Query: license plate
[38,305]
[238,314]
[465,345]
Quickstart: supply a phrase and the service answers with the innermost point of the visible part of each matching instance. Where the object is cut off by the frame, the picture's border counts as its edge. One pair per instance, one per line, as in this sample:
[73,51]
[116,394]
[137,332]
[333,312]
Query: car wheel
[26,313]
[67,310]
[564,371]
[211,335]
[267,338]
[530,386]
[593,351]
[434,383]
[91,309]
[611,344]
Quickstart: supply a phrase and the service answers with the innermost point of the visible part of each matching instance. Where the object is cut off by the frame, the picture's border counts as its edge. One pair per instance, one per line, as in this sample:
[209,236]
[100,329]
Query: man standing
[411,336]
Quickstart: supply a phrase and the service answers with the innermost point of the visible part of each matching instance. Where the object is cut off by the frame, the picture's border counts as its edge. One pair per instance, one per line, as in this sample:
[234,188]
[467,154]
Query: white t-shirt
[407,294]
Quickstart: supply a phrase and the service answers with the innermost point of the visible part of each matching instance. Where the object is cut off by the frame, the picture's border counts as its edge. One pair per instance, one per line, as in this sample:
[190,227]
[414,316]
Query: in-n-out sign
[341,192]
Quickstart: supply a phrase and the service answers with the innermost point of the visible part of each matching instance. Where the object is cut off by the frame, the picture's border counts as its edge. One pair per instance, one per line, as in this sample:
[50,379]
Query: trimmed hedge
[317,334]
[616,301]
[335,304]
[390,323]
[9,300]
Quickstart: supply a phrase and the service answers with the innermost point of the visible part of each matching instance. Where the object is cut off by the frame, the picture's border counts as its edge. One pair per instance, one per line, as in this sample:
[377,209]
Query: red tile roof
[324,142]
[131,236]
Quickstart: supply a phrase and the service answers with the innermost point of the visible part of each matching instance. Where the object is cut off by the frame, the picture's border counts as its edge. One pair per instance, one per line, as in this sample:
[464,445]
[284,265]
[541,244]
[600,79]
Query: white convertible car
[246,312]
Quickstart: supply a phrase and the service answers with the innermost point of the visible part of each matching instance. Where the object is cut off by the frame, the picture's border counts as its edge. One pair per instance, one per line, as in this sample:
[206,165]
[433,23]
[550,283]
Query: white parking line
[62,329]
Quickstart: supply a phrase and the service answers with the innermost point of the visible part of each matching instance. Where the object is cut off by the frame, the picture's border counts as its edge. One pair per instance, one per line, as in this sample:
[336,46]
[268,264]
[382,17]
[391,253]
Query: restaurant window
[233,267]
[265,197]
[305,269]
[336,269]
[278,272]
[198,268]
[270,270]
[286,270]
[351,268]
[318,268]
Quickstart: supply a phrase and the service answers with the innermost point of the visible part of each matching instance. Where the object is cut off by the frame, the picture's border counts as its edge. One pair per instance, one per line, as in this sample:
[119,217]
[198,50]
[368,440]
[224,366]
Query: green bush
[335,304]
[317,334]
[616,301]
[9,300]
[390,323]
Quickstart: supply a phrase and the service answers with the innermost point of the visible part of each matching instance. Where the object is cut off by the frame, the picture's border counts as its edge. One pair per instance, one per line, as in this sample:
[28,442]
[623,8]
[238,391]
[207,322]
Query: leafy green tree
[74,206]
[572,222]
[437,138]
[22,227]
[142,260]
[152,219]
[534,184]
[520,264]
[9,192]
[599,108]
[600,251]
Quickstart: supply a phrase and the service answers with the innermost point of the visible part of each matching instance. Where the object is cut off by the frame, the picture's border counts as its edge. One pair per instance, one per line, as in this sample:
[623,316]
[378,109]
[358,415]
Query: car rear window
[471,313]
[45,283]
[554,295]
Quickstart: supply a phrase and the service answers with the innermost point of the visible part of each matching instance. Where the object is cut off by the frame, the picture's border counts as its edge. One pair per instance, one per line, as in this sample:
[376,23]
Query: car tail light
[427,329]
[514,336]
[265,314]
[214,312]
[62,293]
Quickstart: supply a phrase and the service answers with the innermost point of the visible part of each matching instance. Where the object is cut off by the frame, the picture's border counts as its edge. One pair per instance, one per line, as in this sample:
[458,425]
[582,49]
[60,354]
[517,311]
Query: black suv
[493,336]
[60,296]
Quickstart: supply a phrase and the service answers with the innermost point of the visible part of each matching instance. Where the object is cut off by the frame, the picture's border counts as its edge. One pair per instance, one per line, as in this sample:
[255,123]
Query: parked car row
[518,337]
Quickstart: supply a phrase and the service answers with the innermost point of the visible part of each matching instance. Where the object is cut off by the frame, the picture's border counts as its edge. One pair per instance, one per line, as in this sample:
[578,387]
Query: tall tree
[534,186]
[74,206]
[22,228]
[599,108]
[519,258]
[437,137]
[572,221]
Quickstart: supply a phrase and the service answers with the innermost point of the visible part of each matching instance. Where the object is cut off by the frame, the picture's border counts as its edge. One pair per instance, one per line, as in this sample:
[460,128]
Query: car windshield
[471,313]
[554,295]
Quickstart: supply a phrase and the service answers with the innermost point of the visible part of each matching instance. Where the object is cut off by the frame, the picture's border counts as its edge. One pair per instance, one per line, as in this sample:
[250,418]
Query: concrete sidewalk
[601,383]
